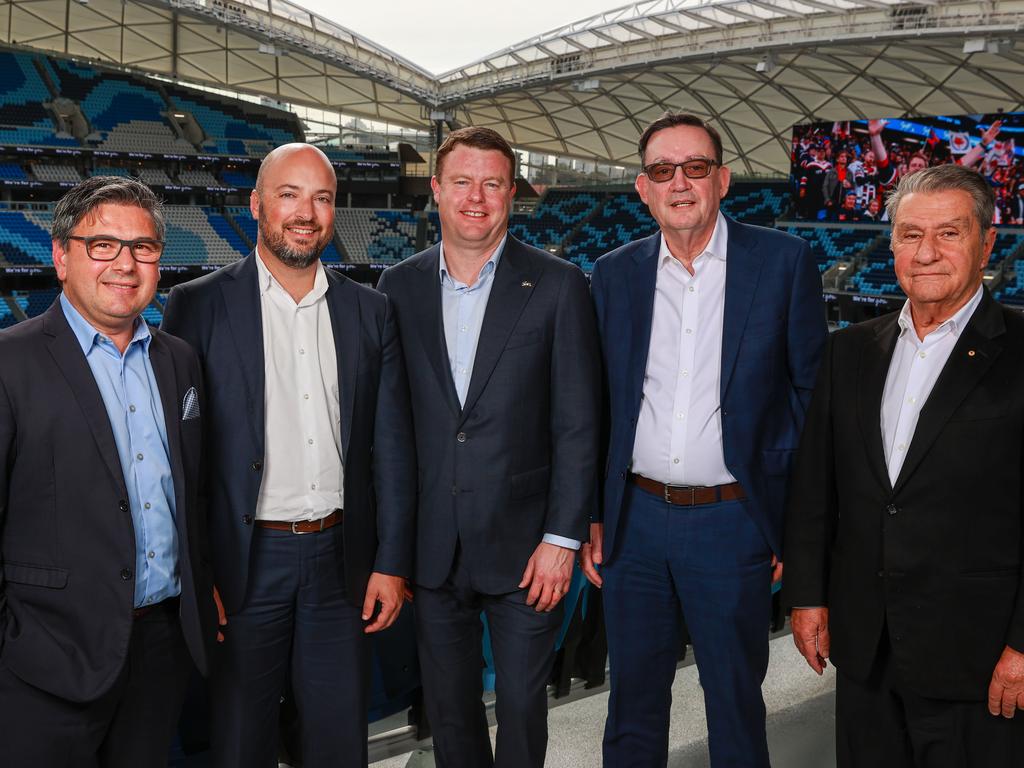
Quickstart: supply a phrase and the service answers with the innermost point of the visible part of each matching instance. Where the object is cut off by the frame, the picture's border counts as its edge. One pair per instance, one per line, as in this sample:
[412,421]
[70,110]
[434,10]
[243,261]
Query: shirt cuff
[560,541]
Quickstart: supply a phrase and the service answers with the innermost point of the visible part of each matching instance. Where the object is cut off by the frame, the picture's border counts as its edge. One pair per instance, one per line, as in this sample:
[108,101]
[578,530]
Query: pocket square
[190,405]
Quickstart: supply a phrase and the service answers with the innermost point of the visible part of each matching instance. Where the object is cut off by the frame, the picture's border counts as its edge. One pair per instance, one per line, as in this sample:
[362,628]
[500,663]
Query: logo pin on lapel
[526,284]
[970,353]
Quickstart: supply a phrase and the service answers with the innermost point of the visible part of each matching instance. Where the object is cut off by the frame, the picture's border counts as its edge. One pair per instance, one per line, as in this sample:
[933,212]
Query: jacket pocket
[36,575]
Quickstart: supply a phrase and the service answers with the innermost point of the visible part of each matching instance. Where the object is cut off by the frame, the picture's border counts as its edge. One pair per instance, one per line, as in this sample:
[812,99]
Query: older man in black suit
[105,594]
[505,382]
[905,535]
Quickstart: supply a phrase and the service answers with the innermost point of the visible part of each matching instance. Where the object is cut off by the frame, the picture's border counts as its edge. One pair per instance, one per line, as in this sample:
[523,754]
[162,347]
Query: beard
[297,258]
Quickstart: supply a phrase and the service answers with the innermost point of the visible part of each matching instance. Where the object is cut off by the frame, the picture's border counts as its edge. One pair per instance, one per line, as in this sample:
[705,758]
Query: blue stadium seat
[25,237]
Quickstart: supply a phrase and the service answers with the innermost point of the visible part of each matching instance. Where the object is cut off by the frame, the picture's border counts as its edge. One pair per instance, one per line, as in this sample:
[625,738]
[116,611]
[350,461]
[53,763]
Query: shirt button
[675,461]
[122,505]
[131,408]
[126,574]
[138,456]
[922,355]
[247,519]
[305,397]
[152,554]
[256,466]
[689,331]
[692,289]
[312,486]
[147,505]
[679,415]
[902,446]
[310,441]
[463,329]
[911,400]
[302,351]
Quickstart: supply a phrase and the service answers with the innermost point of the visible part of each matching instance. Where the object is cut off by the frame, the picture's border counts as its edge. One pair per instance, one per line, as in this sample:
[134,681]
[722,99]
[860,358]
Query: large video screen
[842,171]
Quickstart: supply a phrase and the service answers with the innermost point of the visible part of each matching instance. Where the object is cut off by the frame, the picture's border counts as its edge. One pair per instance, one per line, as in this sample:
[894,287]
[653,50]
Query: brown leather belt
[689,495]
[170,604]
[303,526]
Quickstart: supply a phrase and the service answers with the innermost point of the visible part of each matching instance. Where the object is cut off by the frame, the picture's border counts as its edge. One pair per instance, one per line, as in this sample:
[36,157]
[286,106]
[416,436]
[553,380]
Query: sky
[445,34]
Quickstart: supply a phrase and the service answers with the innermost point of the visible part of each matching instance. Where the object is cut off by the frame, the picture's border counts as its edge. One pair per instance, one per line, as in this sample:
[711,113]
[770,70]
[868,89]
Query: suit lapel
[959,376]
[430,325]
[873,371]
[242,300]
[742,270]
[642,280]
[343,304]
[163,371]
[508,297]
[67,353]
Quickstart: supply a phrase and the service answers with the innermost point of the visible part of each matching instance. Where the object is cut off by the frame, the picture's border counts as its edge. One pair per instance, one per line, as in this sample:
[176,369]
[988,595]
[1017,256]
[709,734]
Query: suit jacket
[773,332]
[519,460]
[937,555]
[220,316]
[68,547]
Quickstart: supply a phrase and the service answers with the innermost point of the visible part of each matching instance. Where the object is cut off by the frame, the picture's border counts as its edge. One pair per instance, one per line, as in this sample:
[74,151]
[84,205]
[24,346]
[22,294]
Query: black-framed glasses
[698,168]
[144,250]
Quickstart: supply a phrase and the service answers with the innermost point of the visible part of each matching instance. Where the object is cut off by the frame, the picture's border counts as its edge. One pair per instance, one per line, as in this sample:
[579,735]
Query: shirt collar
[88,336]
[488,268]
[267,281]
[717,247]
[954,325]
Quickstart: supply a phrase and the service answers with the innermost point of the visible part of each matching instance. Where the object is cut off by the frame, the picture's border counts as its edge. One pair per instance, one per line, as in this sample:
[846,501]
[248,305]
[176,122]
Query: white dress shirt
[914,368]
[303,476]
[679,431]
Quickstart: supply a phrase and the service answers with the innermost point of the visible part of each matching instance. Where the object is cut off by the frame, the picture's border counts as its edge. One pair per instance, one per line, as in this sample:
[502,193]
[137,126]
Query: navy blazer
[772,337]
[67,588]
[520,458]
[219,315]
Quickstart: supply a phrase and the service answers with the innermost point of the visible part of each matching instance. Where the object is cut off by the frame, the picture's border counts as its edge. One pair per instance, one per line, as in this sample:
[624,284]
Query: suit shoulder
[626,252]
[364,293]
[864,331]
[179,348]
[20,335]
[416,261]
[205,283]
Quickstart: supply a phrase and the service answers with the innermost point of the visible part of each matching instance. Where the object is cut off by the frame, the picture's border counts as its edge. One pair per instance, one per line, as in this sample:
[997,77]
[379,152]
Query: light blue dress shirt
[130,394]
[463,307]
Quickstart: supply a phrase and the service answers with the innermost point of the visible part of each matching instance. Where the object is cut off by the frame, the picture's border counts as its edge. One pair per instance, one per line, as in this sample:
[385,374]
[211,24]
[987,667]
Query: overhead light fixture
[766,65]
[586,86]
[984,45]
[267,49]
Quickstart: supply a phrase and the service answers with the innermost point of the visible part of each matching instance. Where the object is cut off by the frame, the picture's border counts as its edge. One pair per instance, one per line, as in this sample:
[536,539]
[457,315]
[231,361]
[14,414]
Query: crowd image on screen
[841,171]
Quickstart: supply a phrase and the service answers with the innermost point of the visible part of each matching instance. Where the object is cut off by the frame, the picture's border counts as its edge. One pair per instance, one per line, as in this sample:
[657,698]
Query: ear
[254,205]
[724,177]
[988,244]
[435,186]
[641,184]
[60,260]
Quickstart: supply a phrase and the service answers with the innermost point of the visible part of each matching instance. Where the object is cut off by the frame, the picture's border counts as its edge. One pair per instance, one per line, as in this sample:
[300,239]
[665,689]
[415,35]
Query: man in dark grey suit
[105,594]
[505,382]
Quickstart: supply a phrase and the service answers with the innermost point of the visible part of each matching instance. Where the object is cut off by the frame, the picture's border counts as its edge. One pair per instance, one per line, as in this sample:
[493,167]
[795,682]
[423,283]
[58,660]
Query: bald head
[281,157]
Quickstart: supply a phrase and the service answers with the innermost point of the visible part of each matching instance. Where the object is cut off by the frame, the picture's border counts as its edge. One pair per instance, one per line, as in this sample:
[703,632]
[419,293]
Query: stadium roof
[755,67]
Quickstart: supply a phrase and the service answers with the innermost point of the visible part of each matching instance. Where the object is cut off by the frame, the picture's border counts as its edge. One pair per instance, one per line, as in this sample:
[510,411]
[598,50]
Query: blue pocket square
[190,405]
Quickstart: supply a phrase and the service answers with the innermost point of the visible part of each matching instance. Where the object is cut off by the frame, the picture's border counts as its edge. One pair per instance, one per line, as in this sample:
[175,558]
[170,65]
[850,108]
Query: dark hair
[943,178]
[85,197]
[671,120]
[478,138]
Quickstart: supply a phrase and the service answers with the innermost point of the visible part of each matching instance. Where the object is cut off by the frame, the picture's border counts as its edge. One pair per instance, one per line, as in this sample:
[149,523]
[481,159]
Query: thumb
[527,574]
[368,604]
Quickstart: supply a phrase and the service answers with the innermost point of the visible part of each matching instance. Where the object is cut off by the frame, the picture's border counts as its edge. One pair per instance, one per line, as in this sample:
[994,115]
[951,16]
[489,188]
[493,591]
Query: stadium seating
[830,245]
[7,317]
[877,277]
[757,203]
[152,314]
[1008,246]
[238,179]
[23,119]
[12,171]
[235,128]
[384,237]
[193,240]
[56,173]
[622,218]
[25,237]
[110,170]
[554,218]
[35,302]
[154,176]
[198,178]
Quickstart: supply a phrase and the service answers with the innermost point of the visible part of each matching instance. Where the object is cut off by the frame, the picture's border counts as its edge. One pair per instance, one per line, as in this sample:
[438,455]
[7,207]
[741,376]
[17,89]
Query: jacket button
[126,574]
[461,437]
[257,466]
[247,519]
[122,505]
[455,490]
[892,509]
[622,475]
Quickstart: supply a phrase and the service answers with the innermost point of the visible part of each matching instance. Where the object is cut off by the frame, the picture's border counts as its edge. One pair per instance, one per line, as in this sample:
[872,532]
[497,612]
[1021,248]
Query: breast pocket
[524,339]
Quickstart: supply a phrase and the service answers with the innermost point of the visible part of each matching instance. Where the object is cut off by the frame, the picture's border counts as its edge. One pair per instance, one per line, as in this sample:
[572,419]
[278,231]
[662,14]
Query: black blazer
[219,315]
[519,460]
[937,556]
[67,587]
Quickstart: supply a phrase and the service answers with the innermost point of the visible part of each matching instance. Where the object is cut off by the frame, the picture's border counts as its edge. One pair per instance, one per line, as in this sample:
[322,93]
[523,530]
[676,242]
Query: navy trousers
[296,620]
[711,565]
[450,635]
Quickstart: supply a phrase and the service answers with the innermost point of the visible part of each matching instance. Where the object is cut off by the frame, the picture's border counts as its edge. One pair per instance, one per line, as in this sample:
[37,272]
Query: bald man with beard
[312,474]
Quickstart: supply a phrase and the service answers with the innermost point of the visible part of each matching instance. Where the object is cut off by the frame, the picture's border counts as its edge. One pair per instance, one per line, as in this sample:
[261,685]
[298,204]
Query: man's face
[874,206]
[295,207]
[869,158]
[916,164]
[841,158]
[939,251]
[850,202]
[683,205]
[108,294]
[474,197]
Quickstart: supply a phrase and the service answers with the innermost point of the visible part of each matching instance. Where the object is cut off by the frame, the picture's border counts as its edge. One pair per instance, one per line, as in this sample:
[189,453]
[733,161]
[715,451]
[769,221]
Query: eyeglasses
[698,168]
[144,250]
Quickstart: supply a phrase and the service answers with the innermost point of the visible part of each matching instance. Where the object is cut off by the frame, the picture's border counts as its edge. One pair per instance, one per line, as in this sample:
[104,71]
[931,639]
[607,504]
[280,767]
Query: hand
[991,132]
[810,634]
[1006,691]
[387,590]
[875,127]
[222,617]
[776,569]
[547,575]
[592,554]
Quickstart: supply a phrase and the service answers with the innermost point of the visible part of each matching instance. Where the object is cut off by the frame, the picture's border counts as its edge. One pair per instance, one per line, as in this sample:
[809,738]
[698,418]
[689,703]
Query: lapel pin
[970,353]
[526,284]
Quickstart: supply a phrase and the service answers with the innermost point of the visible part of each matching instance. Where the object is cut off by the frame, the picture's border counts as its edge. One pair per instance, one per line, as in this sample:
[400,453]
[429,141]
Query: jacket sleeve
[806,327]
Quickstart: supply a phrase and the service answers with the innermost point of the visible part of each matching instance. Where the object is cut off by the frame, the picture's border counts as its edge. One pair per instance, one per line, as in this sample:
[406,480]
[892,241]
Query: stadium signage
[26,270]
[29,150]
[21,183]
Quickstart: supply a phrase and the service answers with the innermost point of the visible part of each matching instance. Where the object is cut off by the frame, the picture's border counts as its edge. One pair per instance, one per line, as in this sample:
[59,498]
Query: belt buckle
[297,532]
[669,489]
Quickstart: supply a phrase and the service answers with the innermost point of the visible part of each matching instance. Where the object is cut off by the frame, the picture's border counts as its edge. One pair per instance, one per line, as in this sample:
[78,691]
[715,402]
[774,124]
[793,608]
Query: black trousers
[880,723]
[449,632]
[129,726]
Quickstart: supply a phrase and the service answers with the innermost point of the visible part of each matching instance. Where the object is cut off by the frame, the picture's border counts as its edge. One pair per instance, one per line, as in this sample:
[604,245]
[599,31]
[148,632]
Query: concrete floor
[801,721]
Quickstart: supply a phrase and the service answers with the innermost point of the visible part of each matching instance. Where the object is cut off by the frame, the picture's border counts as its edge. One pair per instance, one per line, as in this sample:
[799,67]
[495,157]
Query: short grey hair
[85,197]
[943,178]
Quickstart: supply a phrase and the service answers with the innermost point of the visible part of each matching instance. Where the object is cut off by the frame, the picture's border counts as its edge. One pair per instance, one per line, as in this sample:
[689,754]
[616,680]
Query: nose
[679,180]
[124,261]
[476,192]
[927,250]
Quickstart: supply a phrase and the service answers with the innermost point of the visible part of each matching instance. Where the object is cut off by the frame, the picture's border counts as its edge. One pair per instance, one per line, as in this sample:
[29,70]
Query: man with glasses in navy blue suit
[711,333]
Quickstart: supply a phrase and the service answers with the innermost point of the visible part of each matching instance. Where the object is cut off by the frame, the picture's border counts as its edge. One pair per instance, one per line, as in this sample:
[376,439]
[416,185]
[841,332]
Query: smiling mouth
[474,214]
[682,203]
[303,231]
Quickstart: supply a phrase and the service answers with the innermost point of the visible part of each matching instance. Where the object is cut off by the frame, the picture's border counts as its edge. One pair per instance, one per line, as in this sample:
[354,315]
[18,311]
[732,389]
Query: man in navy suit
[505,379]
[312,472]
[711,332]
